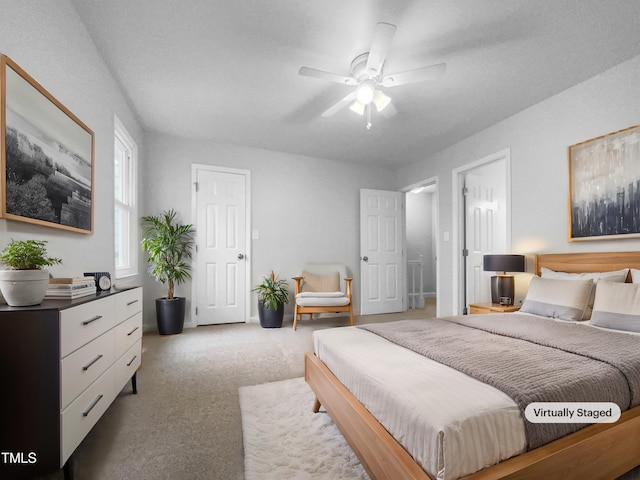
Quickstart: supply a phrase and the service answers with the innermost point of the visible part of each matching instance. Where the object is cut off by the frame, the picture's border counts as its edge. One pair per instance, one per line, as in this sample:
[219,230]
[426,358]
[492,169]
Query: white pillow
[563,299]
[635,275]
[619,276]
[617,306]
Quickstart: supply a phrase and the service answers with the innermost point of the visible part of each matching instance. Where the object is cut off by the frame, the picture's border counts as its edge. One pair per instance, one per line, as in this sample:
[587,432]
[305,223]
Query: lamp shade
[503,263]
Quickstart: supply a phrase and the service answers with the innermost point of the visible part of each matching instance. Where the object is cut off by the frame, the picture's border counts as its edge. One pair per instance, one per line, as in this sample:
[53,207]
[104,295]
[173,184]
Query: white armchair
[322,288]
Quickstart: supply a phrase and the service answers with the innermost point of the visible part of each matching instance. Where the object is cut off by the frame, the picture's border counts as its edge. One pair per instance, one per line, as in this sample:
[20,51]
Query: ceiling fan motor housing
[359,68]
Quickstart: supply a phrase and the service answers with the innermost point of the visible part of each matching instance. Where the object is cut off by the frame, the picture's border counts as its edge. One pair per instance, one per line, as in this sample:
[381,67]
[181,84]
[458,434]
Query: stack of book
[71,287]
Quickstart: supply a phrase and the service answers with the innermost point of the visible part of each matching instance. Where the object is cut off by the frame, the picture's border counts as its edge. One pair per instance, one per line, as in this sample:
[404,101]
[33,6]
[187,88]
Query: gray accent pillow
[611,276]
[562,299]
[617,306]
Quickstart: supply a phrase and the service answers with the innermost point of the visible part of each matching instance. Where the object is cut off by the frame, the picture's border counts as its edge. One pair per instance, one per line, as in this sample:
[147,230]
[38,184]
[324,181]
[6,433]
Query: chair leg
[295,317]
[351,315]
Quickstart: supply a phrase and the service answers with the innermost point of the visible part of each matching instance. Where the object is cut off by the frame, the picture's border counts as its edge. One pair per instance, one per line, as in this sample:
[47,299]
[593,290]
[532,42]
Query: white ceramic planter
[22,288]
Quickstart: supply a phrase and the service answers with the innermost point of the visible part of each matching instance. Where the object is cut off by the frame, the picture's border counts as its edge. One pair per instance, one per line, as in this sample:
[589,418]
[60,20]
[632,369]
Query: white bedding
[451,424]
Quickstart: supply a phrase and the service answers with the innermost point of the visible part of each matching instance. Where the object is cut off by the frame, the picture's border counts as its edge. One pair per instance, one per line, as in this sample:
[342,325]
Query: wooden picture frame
[604,187]
[47,156]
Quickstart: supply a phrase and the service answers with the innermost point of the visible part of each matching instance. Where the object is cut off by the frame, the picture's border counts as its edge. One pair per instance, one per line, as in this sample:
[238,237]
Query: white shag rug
[284,439]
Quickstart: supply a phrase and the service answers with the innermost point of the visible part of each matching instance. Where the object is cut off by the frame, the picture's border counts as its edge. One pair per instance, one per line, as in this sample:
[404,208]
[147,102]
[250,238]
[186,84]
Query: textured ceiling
[228,70]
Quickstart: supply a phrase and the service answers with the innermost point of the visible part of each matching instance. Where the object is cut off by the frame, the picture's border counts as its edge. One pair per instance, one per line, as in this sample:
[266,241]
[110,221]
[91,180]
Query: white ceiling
[227,70]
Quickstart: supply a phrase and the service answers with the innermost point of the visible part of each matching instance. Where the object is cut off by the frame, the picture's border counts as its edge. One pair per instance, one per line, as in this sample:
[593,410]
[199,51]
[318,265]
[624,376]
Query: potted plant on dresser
[25,282]
[168,243]
[273,293]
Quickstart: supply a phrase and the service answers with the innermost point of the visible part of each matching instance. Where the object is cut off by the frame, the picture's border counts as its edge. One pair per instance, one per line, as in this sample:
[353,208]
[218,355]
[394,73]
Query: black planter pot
[170,315]
[270,318]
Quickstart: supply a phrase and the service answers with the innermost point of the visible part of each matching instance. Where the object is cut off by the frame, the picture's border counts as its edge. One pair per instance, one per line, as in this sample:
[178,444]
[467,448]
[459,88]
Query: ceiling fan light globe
[357,107]
[365,92]
[380,100]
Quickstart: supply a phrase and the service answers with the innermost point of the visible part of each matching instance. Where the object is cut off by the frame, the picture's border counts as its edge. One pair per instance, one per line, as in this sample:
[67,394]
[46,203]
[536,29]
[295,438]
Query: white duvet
[452,424]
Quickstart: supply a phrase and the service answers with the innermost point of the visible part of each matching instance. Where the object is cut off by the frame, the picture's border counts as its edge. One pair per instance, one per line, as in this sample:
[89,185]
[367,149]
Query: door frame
[248,256]
[436,236]
[457,184]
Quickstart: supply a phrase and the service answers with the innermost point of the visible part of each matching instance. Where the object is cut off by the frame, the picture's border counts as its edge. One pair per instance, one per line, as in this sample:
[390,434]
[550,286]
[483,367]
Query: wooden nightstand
[475,308]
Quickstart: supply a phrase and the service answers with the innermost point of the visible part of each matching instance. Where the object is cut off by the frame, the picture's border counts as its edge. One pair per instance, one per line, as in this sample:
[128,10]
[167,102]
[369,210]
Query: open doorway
[421,213]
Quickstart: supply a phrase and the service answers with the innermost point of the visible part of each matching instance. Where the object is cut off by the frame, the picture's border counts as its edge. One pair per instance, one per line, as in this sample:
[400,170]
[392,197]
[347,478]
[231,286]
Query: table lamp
[502,285]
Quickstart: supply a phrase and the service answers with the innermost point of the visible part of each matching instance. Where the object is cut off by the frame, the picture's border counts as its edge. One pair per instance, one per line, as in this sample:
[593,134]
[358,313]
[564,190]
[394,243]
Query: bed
[596,451]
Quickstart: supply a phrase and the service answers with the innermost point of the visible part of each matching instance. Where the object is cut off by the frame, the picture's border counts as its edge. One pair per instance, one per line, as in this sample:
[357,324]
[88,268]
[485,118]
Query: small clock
[103,280]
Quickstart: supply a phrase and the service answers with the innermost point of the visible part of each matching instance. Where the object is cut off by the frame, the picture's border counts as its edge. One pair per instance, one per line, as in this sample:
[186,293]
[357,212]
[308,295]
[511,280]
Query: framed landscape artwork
[604,187]
[47,156]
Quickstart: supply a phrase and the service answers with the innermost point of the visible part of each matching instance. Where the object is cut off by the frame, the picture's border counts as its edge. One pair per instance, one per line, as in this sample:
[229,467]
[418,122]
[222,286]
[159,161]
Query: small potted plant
[168,244]
[25,282]
[273,293]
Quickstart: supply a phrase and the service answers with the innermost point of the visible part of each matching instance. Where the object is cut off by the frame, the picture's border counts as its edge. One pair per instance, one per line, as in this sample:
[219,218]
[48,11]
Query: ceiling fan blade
[340,105]
[414,76]
[382,37]
[332,77]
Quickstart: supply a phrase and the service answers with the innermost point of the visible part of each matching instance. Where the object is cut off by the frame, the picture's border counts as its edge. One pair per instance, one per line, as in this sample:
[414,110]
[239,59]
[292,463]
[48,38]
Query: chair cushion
[321,301]
[321,283]
[320,294]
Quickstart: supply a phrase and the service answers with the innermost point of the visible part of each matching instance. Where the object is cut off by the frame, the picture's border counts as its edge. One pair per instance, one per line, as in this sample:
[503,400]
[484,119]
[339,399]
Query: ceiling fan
[367,76]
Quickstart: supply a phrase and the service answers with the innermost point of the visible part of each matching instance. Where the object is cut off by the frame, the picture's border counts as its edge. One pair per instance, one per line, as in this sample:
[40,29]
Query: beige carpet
[284,439]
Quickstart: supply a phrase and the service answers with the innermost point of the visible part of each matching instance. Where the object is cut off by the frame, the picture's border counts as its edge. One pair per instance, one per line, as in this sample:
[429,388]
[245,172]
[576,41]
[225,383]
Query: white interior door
[486,226]
[221,243]
[381,236]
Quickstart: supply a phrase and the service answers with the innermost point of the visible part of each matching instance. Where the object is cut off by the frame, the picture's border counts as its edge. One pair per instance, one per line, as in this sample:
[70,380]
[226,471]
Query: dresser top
[61,304]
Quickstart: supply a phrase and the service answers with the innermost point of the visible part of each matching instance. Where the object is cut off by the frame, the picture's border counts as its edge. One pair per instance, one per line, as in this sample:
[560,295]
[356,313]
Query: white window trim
[122,136]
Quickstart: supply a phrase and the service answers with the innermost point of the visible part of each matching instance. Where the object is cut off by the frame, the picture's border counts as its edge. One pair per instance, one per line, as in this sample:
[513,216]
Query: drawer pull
[132,302]
[91,320]
[86,367]
[95,402]
[132,331]
[134,357]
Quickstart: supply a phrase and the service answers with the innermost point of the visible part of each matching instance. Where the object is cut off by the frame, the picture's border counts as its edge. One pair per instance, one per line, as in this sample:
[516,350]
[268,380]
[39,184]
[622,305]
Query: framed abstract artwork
[604,187]
[47,156]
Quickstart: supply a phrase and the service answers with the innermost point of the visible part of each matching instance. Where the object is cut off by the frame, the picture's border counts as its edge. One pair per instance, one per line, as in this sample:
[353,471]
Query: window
[125,202]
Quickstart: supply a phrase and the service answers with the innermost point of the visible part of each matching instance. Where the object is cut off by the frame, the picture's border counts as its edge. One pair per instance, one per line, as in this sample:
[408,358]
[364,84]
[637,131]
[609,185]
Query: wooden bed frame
[599,451]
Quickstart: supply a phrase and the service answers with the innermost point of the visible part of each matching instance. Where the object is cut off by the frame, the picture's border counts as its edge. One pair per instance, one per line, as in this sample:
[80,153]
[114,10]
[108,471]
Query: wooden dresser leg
[134,383]
[316,405]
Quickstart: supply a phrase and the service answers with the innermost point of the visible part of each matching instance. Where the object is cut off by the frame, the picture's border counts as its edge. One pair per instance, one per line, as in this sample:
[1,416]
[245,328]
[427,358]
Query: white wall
[538,138]
[305,209]
[50,43]
[48,40]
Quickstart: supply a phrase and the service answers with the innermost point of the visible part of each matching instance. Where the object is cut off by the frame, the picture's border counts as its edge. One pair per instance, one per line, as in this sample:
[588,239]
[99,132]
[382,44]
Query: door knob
[240,256]
[366,259]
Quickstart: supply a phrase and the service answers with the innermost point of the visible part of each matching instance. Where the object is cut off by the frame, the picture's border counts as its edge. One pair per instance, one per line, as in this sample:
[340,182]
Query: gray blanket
[531,359]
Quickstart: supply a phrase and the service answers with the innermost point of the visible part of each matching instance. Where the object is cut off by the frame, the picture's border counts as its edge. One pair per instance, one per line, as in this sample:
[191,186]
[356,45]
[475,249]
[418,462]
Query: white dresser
[62,364]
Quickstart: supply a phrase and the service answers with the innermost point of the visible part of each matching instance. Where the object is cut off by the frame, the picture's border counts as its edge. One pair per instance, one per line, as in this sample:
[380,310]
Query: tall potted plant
[168,244]
[273,293]
[25,282]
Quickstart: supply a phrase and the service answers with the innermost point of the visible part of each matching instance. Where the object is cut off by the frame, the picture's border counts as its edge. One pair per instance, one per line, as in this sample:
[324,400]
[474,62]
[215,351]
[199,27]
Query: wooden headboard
[587,262]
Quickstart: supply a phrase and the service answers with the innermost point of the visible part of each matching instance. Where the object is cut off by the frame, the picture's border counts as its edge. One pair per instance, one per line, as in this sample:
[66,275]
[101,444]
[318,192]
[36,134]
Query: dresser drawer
[127,333]
[128,304]
[81,324]
[79,417]
[127,365]
[85,365]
